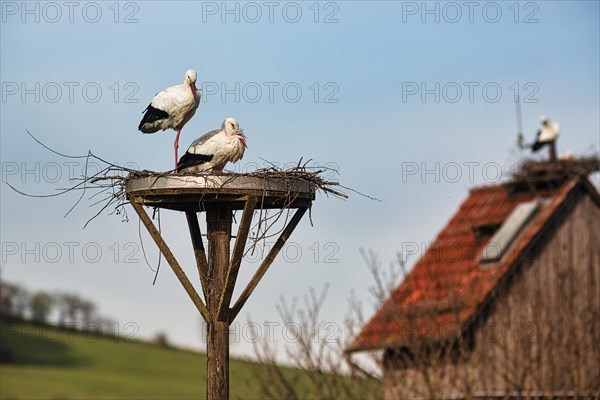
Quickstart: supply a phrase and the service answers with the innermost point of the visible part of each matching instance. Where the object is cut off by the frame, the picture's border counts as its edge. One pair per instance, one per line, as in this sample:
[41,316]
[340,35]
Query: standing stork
[172,108]
[214,149]
[547,135]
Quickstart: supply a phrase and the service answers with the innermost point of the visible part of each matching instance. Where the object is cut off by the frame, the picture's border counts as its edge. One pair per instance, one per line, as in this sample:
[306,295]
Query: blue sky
[385,91]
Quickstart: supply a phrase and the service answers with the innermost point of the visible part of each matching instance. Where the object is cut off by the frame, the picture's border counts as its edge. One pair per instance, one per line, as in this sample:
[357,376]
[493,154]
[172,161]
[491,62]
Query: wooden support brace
[199,252]
[264,266]
[187,285]
[236,258]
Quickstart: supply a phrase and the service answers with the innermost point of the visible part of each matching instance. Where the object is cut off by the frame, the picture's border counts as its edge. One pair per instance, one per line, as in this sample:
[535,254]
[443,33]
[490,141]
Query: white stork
[547,135]
[214,149]
[172,108]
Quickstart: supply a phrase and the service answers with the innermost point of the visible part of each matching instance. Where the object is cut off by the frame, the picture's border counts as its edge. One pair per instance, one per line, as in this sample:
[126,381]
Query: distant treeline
[62,308]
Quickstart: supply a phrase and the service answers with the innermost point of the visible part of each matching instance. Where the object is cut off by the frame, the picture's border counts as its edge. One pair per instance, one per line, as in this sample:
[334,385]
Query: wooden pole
[552,151]
[218,221]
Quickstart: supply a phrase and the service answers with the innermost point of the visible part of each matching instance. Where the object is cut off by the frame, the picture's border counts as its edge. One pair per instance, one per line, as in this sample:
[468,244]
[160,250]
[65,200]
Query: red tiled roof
[447,286]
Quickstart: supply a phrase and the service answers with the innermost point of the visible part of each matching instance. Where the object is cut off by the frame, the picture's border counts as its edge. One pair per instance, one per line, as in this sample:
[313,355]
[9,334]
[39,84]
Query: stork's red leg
[176,146]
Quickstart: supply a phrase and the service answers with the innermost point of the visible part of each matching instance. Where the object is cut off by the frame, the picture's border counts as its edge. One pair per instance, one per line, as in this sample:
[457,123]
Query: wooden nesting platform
[197,192]
[219,195]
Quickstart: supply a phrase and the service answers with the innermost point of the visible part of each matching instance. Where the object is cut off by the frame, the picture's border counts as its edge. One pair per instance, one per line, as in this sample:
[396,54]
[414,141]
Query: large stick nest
[301,172]
[108,185]
[536,172]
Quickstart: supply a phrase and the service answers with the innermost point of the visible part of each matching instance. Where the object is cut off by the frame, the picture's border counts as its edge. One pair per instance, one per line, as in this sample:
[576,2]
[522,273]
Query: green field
[48,363]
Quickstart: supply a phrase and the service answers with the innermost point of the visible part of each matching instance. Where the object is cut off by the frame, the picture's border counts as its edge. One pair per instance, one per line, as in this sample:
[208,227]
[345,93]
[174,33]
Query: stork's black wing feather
[189,160]
[152,114]
[537,144]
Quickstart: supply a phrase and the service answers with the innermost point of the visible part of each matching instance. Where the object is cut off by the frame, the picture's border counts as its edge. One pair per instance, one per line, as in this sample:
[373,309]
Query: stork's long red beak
[193,87]
[243,140]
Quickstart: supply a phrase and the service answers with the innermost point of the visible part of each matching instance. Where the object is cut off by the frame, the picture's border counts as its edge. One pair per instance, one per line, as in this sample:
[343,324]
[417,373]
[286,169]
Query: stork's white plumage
[215,149]
[548,133]
[172,108]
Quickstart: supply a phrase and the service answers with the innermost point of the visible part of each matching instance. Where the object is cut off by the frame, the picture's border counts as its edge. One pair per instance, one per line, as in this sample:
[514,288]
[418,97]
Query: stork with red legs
[172,108]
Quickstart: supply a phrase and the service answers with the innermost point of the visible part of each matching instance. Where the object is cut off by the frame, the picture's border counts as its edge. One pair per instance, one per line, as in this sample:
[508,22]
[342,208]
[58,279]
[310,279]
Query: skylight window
[504,237]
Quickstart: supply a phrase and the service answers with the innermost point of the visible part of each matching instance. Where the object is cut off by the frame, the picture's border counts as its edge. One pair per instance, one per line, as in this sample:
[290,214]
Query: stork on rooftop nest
[172,108]
[213,150]
[545,136]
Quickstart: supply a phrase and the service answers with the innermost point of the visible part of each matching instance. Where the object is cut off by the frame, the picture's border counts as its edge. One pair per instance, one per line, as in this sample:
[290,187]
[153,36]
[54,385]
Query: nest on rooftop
[559,171]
